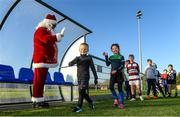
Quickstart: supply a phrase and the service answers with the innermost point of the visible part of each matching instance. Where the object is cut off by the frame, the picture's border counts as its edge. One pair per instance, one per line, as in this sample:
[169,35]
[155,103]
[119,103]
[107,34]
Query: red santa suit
[45,54]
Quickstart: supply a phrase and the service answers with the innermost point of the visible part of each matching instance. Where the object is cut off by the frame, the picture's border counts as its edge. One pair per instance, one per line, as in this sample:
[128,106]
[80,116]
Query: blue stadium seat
[48,80]
[59,79]
[7,74]
[26,75]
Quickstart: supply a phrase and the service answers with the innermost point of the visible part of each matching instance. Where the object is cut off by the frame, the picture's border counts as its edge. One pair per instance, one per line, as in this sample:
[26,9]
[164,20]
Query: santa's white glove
[60,35]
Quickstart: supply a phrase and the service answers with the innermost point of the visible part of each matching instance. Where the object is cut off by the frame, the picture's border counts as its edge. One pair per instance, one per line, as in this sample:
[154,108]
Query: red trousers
[38,82]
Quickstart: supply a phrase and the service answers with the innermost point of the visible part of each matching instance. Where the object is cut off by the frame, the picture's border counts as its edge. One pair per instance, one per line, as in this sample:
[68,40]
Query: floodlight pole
[138,15]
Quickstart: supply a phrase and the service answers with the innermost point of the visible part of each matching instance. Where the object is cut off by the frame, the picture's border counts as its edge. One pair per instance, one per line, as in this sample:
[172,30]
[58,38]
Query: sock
[121,97]
[133,96]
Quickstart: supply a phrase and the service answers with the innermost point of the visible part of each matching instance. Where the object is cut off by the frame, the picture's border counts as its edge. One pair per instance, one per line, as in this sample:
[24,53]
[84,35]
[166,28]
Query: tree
[178,78]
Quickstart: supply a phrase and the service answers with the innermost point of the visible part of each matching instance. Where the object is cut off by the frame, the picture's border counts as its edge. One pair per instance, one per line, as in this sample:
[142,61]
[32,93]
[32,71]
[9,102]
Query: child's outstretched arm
[108,62]
[73,62]
[94,71]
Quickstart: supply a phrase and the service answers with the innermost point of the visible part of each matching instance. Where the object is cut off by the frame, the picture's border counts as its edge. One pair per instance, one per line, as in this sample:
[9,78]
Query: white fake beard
[49,27]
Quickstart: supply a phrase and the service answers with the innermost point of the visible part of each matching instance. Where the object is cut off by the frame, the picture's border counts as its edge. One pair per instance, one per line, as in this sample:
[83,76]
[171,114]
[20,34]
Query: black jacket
[83,63]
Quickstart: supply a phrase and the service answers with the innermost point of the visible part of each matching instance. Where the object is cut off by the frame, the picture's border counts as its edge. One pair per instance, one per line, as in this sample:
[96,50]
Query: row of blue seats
[26,76]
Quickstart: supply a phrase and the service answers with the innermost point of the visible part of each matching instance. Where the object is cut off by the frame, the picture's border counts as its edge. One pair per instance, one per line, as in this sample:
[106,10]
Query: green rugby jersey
[116,62]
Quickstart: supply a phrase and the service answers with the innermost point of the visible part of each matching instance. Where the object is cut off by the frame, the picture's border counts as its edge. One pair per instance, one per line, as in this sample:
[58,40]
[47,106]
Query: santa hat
[50,19]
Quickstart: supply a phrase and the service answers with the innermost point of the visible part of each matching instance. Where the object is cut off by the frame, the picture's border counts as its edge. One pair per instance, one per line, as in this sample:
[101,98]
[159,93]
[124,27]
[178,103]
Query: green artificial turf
[159,107]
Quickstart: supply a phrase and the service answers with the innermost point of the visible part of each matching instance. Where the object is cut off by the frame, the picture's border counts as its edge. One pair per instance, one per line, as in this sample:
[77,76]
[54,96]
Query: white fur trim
[50,21]
[59,37]
[39,99]
[46,24]
[44,65]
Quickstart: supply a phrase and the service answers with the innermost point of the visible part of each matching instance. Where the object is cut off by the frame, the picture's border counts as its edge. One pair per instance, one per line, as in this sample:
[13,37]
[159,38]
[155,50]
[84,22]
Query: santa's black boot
[43,105]
[34,105]
[40,105]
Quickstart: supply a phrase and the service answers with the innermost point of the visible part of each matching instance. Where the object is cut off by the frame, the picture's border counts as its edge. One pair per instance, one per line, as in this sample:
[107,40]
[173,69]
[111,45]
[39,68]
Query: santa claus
[44,56]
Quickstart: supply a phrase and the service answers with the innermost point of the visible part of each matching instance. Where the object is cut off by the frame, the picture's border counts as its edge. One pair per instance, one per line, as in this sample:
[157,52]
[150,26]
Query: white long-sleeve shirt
[150,72]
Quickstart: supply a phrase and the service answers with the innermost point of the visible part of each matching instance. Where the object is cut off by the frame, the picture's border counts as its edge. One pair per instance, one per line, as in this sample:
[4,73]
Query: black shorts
[117,78]
[83,84]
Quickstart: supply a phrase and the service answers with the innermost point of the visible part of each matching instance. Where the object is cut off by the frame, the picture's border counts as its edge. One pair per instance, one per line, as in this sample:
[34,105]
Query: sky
[112,21]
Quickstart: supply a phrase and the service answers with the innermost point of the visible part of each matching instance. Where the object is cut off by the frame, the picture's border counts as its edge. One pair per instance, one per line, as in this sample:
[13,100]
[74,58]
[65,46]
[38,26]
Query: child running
[134,78]
[158,78]
[150,74]
[164,77]
[117,65]
[83,63]
[171,81]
